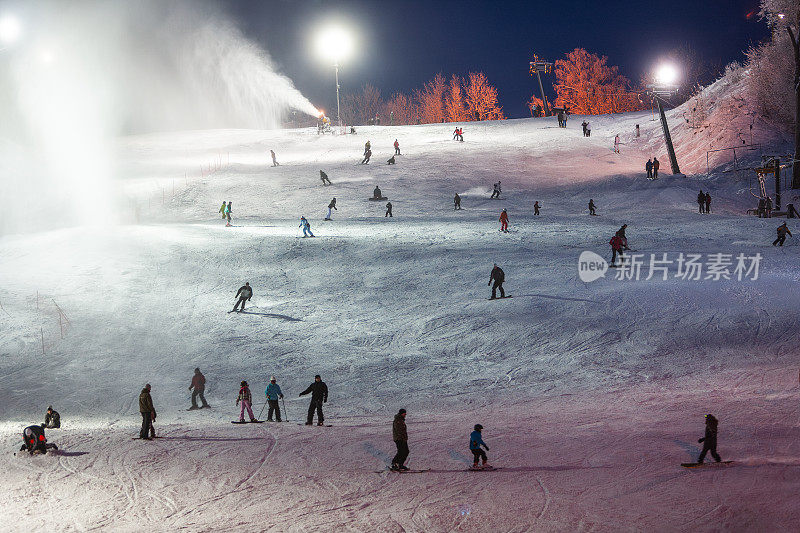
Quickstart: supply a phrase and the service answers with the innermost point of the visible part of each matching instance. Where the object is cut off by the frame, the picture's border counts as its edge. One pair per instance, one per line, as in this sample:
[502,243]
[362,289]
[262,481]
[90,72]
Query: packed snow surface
[591,394]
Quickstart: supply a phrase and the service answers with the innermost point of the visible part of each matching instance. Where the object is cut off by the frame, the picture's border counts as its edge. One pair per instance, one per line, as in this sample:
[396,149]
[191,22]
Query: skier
[592,207]
[367,147]
[273,393]
[560,118]
[499,277]
[497,190]
[456,202]
[376,193]
[783,230]
[649,168]
[223,209]
[306,227]
[588,129]
[199,386]
[616,144]
[400,437]
[148,413]
[701,200]
[228,213]
[709,440]
[396,147]
[244,294]
[35,442]
[536,208]
[388,210]
[246,399]
[656,165]
[367,155]
[324,178]
[391,161]
[459,134]
[475,443]
[616,243]
[52,420]
[319,395]
[504,221]
[331,205]
[636,131]
[274,162]
[566,116]
[707,200]
[352,130]
[583,126]
[621,234]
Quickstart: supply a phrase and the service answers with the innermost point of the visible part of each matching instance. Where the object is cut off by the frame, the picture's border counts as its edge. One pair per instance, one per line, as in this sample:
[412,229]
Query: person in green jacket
[148,412]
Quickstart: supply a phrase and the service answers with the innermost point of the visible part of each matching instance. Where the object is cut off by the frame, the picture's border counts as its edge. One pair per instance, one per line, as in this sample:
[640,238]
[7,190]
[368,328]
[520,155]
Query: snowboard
[382,198]
[482,469]
[701,465]
[140,438]
[198,408]
[403,471]
[324,425]
[506,297]
[247,422]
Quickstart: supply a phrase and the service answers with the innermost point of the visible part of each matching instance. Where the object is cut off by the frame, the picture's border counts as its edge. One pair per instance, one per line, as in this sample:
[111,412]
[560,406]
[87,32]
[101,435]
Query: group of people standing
[704,202]
[226,212]
[651,167]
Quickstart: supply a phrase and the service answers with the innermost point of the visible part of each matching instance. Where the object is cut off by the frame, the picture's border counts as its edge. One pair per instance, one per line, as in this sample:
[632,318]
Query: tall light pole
[538,66]
[334,43]
[664,86]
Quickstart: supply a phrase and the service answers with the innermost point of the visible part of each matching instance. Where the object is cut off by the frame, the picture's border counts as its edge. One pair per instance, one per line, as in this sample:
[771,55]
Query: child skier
[475,443]
[504,221]
[246,400]
[709,440]
[306,227]
[331,205]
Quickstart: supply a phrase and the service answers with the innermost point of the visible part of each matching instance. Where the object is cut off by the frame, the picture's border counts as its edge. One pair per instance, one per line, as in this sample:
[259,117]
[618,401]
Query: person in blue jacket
[273,393]
[306,227]
[475,443]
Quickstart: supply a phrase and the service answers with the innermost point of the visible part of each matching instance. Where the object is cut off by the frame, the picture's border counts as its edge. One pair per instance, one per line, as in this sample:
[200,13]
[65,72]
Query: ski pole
[262,409]
[285,415]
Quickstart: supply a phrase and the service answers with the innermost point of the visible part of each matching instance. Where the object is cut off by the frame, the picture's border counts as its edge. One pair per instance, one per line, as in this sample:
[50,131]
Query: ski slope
[591,394]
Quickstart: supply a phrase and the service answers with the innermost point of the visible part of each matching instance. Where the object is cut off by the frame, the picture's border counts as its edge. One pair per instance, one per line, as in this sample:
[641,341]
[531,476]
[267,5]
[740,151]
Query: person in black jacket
[400,437]
[499,277]
[319,395]
[52,420]
[710,440]
[244,293]
[324,178]
[35,441]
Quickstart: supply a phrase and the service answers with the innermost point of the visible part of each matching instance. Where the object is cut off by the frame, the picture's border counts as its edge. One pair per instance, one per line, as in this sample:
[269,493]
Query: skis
[151,438]
[501,298]
[247,422]
[324,425]
[482,469]
[198,408]
[700,465]
[403,471]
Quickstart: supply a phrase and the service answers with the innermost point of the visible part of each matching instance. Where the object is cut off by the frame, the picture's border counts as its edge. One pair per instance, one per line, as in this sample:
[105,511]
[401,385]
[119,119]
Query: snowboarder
[306,227]
[701,200]
[475,443]
[498,276]
[636,131]
[228,213]
[367,147]
[621,234]
[456,202]
[274,162]
[246,400]
[536,208]
[223,210]
[319,395]
[391,161]
[616,144]
[376,193]
[656,165]
[497,190]
[649,168]
[388,210]
[504,221]
[709,440]
[583,126]
[331,205]
[400,437]
[52,420]
[617,244]
[367,155]
[783,230]
[324,178]
[592,207]
[244,294]
[588,129]
[148,413]
[708,202]
[35,442]
[273,394]
[396,147]
[199,386]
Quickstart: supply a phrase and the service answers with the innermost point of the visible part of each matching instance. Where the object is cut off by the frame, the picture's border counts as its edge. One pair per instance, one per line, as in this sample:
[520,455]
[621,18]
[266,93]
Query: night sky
[403,43]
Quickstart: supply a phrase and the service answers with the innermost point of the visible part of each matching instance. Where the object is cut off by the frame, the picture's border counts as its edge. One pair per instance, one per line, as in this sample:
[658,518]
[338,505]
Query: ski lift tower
[538,66]
[659,91]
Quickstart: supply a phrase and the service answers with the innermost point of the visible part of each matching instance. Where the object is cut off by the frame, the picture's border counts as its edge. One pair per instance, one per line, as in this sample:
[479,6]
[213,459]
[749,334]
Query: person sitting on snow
[391,161]
[35,441]
[52,420]
[377,193]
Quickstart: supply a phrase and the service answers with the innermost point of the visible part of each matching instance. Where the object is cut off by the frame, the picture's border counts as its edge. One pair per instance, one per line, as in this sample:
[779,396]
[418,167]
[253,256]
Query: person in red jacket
[504,221]
[199,386]
[396,147]
[616,243]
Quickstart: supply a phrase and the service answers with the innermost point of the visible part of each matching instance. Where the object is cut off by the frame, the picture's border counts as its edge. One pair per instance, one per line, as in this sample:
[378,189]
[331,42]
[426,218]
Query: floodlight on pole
[665,84]
[10,29]
[335,44]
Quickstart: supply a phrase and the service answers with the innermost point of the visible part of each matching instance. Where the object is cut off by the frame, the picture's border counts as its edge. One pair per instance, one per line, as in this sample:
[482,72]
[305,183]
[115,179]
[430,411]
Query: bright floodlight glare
[666,75]
[334,43]
[9,29]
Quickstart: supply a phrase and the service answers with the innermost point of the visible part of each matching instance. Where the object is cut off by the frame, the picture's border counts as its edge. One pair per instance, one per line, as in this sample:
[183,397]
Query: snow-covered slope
[590,392]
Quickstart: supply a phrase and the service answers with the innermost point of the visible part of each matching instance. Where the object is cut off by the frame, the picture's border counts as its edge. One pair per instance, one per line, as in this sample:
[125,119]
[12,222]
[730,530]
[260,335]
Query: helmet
[244,383]
[478,427]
